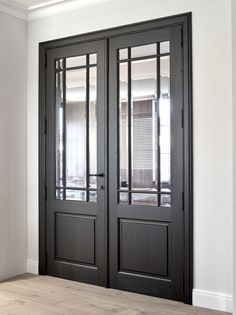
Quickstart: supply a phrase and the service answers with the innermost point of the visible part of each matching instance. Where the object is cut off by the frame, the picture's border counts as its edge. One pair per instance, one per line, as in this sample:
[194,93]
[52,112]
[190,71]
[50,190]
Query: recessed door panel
[72,232]
[143,247]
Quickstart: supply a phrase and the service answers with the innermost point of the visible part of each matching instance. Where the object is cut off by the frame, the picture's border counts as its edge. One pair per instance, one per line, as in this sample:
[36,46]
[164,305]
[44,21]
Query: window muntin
[144,125]
[76,128]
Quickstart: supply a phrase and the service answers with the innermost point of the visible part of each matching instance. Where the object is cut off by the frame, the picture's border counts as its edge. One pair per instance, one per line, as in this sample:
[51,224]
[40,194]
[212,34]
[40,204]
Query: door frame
[185,20]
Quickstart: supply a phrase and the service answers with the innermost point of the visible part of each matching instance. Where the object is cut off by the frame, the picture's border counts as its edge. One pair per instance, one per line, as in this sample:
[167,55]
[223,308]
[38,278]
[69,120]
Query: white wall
[234,137]
[212,114]
[13,146]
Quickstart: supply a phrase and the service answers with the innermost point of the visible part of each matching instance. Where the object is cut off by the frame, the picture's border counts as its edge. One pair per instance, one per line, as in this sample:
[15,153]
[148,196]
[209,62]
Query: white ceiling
[34,3]
[34,9]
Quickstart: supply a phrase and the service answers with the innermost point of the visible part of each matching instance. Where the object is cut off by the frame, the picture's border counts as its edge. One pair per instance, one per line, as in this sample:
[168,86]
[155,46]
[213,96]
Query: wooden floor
[31,295]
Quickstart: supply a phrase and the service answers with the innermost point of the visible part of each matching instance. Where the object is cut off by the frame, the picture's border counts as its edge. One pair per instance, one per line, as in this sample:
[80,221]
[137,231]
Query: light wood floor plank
[31,295]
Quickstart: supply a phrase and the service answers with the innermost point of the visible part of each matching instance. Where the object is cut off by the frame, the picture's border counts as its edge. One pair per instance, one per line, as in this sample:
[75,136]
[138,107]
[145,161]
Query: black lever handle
[97,175]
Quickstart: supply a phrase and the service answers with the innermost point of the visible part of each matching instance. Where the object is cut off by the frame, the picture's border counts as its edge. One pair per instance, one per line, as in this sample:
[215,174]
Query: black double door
[114,162]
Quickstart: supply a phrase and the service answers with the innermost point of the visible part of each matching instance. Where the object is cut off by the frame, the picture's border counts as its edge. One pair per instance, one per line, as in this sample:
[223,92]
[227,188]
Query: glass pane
[123,53]
[59,129]
[79,195]
[93,196]
[59,194]
[164,103]
[165,47]
[59,64]
[76,128]
[165,200]
[143,51]
[124,198]
[76,61]
[144,124]
[144,199]
[123,112]
[93,125]
[93,59]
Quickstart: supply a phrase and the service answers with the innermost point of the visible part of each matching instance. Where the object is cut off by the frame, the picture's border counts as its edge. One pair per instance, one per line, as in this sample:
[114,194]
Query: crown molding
[49,8]
[44,4]
[61,7]
[14,9]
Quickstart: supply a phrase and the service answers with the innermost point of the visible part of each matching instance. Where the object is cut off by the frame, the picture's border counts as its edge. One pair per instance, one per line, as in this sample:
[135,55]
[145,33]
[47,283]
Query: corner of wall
[32,266]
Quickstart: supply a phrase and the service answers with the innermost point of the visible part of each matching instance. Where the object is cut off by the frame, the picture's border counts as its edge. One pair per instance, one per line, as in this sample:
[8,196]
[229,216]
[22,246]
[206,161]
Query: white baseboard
[213,300]
[32,266]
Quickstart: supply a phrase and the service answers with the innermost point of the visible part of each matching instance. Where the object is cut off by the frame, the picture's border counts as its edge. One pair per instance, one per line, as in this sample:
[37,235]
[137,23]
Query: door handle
[98,175]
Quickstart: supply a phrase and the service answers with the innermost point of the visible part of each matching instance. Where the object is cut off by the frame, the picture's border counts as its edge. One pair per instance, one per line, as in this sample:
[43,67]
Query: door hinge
[182,37]
[46,60]
[182,118]
[182,201]
[45,126]
[45,193]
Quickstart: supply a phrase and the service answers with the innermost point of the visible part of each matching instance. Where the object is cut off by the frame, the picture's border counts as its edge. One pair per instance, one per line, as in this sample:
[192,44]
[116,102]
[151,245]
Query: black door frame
[185,21]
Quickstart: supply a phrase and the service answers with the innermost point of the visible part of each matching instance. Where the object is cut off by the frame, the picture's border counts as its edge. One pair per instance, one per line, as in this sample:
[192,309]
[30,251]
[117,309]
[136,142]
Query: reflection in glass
[93,126]
[92,59]
[123,54]
[123,112]
[143,51]
[92,181]
[165,47]
[76,61]
[165,200]
[59,194]
[144,124]
[59,129]
[76,128]
[59,64]
[79,195]
[164,112]
[93,196]
[144,199]
[124,198]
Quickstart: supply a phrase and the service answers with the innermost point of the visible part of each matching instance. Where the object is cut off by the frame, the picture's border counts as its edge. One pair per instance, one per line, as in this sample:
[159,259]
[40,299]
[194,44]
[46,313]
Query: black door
[118,159]
[75,163]
[146,163]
